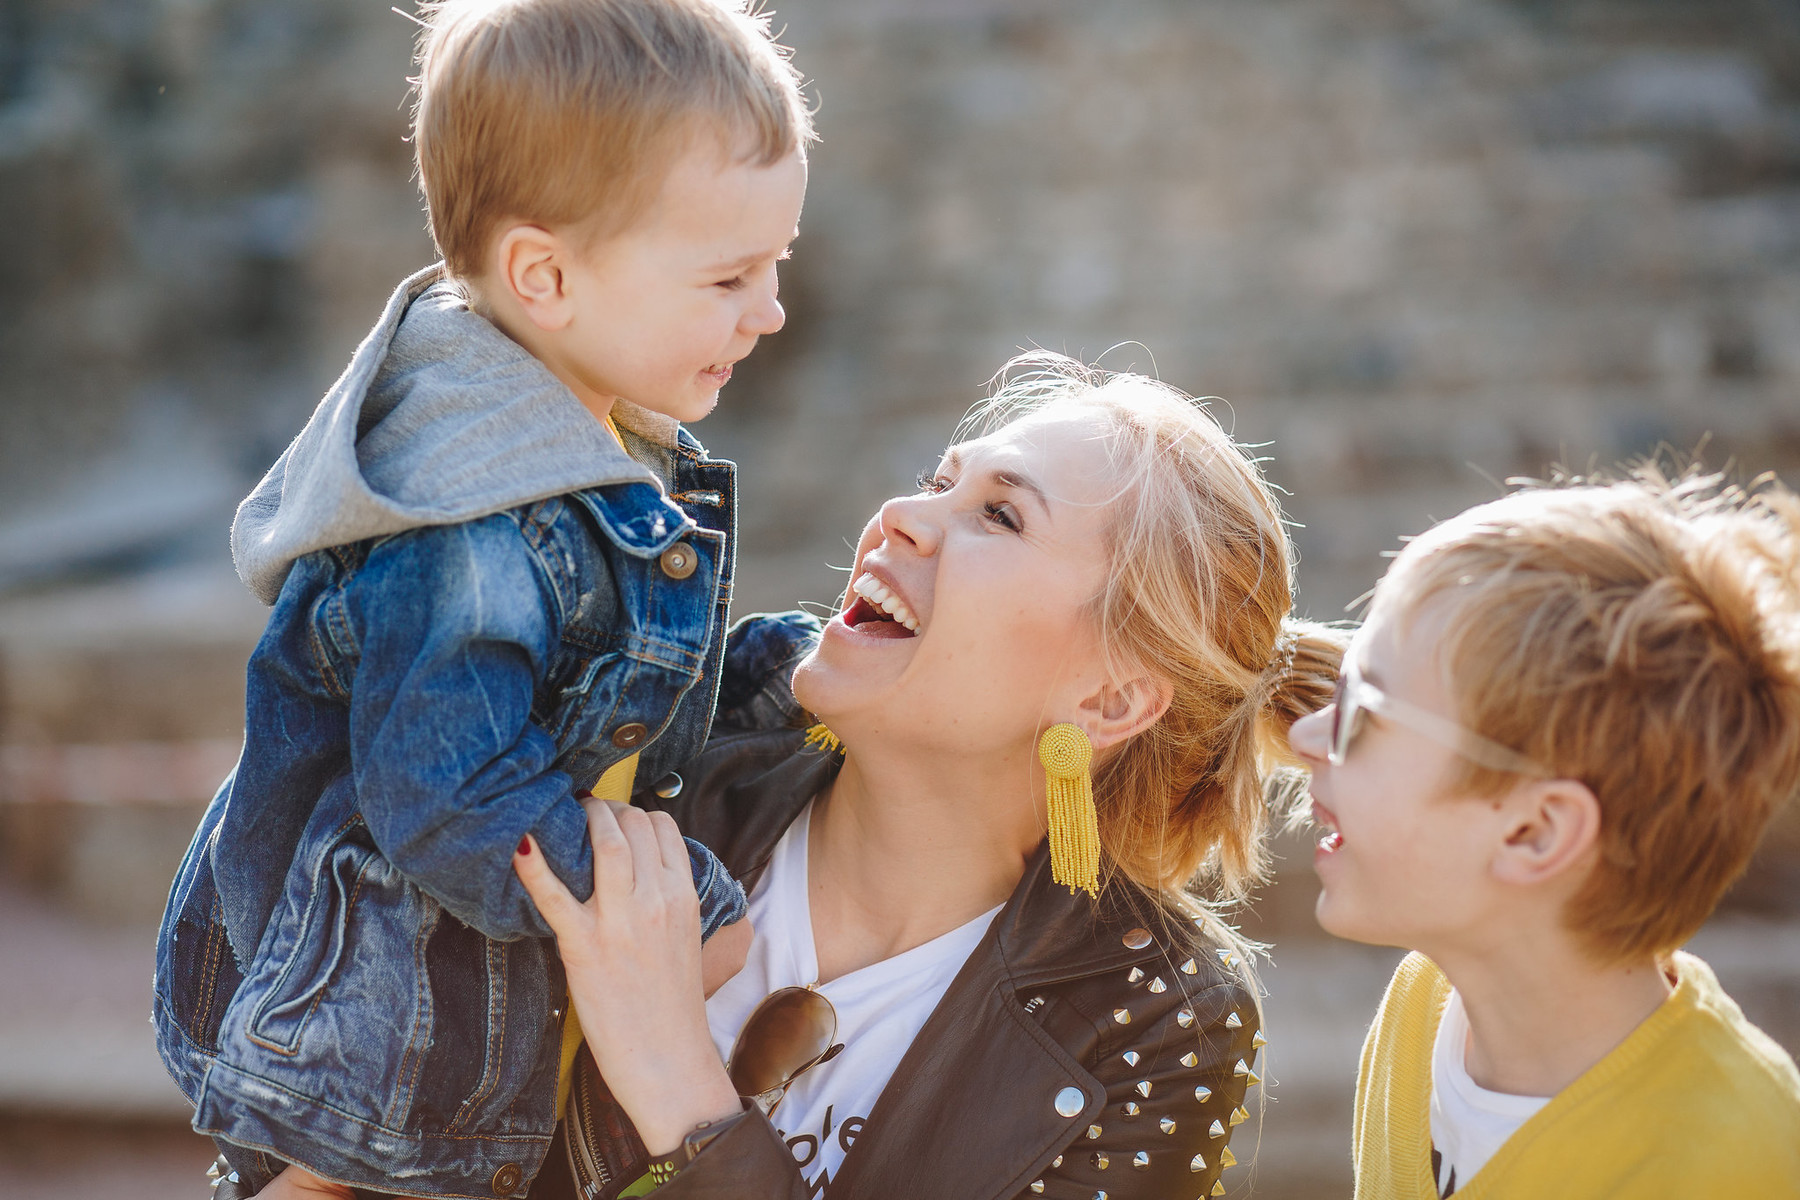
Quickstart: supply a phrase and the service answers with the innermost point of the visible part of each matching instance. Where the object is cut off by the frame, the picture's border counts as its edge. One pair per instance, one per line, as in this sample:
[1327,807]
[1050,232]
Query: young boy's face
[663,310]
[1403,862]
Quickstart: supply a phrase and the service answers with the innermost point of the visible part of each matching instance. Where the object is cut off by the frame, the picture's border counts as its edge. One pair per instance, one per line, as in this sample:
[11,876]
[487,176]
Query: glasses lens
[791,1030]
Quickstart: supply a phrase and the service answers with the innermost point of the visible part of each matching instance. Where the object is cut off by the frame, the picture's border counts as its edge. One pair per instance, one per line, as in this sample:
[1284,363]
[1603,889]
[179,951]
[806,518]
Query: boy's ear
[1116,711]
[1553,826]
[528,260]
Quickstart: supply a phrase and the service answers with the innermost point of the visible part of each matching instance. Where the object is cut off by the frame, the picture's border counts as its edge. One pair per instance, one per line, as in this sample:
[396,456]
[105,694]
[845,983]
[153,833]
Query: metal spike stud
[1140,1161]
[1239,1115]
[1241,1069]
[1184,1018]
[1131,1058]
[1130,1108]
[1122,1016]
[1099,1196]
[1056,1163]
[1190,1059]
[1093,1132]
[1101,1160]
[1167,1124]
[1136,974]
[1189,967]
[1234,1021]
[1216,1129]
[1258,1041]
[1143,1088]
[1197,1163]
[1157,986]
[1224,955]
[1218,1188]
[1226,1157]
[1037,1185]
[1252,1079]
[1203,1093]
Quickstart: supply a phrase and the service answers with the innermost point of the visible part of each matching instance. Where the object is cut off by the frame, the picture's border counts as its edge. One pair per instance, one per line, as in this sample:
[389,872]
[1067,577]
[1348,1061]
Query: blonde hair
[1199,592]
[1641,636]
[569,112]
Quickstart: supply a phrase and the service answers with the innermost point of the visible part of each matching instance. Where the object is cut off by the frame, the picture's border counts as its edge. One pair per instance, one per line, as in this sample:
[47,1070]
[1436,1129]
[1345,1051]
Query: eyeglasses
[1355,695]
[792,1031]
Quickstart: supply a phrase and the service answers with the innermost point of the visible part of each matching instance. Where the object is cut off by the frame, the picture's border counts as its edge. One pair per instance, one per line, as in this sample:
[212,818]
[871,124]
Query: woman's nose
[911,521]
[1310,736]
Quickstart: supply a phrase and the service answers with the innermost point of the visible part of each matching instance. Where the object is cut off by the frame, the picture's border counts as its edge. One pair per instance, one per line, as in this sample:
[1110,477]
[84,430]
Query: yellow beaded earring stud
[818,737]
[1074,824]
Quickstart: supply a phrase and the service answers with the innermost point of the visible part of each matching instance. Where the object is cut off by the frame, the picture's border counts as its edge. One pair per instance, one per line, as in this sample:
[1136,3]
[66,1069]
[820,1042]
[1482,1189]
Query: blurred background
[1415,247]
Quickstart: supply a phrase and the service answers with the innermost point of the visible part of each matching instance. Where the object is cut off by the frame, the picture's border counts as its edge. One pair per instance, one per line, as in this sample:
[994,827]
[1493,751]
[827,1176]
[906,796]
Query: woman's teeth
[876,593]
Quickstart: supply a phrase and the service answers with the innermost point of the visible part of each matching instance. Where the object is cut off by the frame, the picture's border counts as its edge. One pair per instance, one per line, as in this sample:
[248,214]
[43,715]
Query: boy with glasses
[1556,742]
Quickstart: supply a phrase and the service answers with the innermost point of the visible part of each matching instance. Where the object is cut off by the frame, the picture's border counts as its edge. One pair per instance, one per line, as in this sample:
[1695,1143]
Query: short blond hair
[1641,636]
[1199,591]
[569,112]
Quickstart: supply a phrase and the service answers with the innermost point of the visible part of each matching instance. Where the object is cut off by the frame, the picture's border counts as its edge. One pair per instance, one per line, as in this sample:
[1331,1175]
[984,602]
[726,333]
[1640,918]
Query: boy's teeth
[872,590]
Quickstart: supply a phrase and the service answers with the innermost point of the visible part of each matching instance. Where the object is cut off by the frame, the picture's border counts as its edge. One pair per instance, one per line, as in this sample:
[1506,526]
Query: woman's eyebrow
[954,461]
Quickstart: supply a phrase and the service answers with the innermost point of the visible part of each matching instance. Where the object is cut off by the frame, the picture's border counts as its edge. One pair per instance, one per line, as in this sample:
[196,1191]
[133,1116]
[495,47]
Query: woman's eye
[932,484]
[1003,514]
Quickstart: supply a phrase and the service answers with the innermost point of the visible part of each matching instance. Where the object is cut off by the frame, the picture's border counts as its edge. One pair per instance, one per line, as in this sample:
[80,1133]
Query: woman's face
[970,626]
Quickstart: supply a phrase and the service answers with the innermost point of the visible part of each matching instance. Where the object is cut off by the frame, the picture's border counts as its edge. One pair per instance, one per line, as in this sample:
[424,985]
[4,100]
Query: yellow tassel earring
[822,739]
[1074,824]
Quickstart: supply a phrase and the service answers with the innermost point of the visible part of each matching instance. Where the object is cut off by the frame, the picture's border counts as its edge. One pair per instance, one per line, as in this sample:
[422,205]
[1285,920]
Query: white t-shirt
[1468,1122]
[879,1008]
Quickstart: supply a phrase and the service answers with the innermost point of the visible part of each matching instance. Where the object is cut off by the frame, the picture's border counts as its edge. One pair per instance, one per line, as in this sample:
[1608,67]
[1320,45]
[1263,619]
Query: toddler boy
[499,571]
[1556,741]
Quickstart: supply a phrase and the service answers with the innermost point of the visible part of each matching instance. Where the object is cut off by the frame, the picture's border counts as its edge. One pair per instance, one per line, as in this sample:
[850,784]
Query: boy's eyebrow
[749,260]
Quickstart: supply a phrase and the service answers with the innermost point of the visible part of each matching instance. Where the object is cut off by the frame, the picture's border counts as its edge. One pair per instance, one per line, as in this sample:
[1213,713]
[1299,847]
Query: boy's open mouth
[878,611]
[1324,818]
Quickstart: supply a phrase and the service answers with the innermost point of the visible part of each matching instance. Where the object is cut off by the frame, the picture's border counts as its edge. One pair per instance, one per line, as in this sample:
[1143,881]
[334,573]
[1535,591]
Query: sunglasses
[1355,696]
[792,1031]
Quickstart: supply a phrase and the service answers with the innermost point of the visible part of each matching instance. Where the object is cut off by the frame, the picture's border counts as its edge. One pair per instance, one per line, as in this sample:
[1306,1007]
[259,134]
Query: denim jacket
[349,975]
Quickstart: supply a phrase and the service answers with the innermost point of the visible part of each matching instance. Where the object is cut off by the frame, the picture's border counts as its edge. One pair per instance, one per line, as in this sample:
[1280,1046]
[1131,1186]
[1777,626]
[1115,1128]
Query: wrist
[664,1126]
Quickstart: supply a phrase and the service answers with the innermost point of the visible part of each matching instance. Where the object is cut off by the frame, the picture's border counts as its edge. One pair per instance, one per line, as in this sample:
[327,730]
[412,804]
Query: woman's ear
[1117,711]
[528,259]
[1552,826]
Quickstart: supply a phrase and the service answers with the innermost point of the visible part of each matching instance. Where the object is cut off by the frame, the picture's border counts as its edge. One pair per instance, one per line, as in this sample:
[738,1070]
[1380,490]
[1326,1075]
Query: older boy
[500,572]
[1555,743]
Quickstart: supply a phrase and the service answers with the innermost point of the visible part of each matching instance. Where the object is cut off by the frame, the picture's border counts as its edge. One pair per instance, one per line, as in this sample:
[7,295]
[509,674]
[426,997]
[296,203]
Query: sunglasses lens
[787,1033]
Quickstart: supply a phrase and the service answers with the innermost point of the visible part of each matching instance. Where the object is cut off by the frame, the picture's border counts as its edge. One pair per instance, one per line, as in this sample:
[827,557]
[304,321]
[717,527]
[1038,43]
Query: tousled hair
[570,112]
[1199,592]
[1642,636]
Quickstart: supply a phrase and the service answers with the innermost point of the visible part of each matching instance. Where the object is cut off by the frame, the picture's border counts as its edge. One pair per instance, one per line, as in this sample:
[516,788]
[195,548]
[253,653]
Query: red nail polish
[525,845]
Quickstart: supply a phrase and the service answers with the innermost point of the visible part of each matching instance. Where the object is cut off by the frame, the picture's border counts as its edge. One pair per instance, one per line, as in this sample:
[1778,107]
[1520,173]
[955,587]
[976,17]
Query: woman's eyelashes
[997,512]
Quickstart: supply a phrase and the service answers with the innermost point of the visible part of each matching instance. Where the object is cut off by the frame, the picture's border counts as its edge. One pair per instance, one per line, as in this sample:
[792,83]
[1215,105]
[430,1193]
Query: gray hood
[439,418]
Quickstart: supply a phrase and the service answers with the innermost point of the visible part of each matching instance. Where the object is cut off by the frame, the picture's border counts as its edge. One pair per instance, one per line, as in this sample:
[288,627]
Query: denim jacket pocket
[318,942]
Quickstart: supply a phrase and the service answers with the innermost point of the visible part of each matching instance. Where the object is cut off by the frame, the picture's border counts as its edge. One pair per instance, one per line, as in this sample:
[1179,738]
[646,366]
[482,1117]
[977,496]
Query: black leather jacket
[1086,1049]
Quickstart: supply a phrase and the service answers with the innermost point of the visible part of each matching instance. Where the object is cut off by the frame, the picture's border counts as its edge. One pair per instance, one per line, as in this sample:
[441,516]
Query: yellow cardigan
[1696,1102]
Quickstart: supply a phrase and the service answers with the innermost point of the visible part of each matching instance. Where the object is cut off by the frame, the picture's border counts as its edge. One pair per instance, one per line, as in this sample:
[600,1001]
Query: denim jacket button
[507,1178]
[629,735]
[679,561]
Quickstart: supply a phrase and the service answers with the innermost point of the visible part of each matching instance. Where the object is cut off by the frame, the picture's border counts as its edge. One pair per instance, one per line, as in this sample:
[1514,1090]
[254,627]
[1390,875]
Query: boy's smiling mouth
[879,611]
[1327,820]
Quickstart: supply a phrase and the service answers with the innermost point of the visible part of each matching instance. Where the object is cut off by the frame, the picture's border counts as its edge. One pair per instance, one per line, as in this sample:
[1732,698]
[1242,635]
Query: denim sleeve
[454,628]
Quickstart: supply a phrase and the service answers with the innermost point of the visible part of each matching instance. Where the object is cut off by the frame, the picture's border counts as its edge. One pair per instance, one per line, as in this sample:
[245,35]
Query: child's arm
[448,631]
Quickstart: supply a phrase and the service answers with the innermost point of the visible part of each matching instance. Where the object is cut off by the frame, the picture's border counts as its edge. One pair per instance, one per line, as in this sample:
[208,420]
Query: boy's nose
[1310,737]
[766,316]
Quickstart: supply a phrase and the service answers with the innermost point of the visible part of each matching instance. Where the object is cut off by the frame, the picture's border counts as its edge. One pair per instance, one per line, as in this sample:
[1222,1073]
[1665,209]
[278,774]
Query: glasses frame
[1355,695]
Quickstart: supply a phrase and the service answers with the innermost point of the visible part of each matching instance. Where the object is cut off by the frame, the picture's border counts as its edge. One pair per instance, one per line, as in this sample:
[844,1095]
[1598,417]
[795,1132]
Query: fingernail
[525,844]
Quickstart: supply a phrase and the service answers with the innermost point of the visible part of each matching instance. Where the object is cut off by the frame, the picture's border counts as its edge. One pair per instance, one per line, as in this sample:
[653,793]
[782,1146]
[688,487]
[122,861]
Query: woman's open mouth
[878,612]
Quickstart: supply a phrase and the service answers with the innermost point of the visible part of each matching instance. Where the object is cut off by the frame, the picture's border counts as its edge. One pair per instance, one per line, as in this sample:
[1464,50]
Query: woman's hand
[632,953]
[295,1183]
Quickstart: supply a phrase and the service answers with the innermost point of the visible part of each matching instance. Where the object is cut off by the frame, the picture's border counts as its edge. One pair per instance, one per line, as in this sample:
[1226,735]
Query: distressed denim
[349,973]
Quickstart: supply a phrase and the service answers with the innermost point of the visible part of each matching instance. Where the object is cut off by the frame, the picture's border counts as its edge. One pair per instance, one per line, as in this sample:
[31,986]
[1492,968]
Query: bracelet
[666,1167]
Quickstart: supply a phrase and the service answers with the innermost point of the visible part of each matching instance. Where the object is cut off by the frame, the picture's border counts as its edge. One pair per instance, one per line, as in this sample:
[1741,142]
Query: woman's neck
[1542,1011]
[903,851]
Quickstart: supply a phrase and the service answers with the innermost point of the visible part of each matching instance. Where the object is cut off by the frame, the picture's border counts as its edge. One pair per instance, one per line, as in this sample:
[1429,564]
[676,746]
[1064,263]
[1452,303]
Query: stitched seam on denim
[490,1078]
[538,532]
[249,1027]
[505,1139]
[321,657]
[211,974]
[415,1051]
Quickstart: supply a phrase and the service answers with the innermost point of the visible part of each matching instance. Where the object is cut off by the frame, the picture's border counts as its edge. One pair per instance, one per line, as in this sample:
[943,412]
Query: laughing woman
[1066,665]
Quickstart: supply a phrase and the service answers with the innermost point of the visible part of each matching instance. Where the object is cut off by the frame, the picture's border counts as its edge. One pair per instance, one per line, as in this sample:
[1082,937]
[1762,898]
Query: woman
[1104,556]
